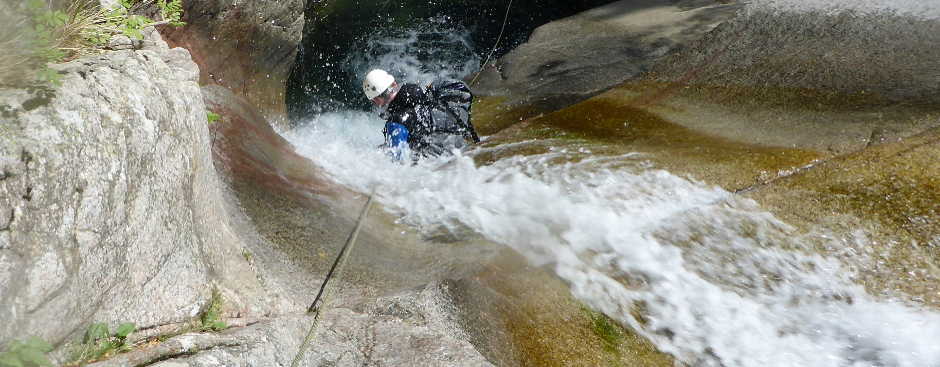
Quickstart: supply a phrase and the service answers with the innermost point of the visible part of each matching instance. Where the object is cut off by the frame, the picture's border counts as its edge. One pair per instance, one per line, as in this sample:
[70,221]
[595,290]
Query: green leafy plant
[100,343]
[28,353]
[46,26]
[212,117]
[211,318]
[35,34]
[172,12]
[122,20]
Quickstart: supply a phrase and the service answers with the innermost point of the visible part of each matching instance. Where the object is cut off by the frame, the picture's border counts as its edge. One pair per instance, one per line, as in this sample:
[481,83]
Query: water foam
[707,269]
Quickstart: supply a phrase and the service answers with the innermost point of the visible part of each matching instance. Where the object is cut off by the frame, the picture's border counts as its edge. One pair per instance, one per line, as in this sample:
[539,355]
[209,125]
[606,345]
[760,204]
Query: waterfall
[709,277]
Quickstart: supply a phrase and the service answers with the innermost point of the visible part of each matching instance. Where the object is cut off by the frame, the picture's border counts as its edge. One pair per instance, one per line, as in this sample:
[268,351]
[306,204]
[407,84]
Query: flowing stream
[707,276]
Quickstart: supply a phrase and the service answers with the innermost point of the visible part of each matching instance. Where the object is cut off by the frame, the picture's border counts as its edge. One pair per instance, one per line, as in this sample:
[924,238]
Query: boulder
[571,59]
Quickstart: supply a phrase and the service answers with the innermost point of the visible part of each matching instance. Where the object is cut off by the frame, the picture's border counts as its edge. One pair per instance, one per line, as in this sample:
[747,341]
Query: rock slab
[571,59]
[109,197]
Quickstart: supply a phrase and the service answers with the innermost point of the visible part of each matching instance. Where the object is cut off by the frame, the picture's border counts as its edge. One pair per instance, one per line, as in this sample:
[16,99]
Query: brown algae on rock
[623,127]
[842,163]
[892,193]
[531,319]
[493,114]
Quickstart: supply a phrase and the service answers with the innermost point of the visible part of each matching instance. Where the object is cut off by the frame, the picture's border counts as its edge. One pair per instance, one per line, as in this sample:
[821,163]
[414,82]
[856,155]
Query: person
[426,122]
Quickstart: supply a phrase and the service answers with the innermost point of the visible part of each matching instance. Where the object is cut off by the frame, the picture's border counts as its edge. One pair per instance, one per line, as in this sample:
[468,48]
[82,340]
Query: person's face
[383,99]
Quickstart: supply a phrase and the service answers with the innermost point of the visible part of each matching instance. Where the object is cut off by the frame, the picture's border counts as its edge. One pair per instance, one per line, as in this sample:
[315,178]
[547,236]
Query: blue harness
[396,138]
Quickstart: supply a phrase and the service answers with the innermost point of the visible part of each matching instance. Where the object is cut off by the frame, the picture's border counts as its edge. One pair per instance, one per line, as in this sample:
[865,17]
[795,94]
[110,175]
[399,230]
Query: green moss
[586,339]
[610,333]
[212,117]
[624,347]
[492,114]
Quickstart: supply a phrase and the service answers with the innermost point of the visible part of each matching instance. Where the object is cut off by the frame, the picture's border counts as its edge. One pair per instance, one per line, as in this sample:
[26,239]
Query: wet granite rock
[422,333]
[574,58]
[851,52]
[245,46]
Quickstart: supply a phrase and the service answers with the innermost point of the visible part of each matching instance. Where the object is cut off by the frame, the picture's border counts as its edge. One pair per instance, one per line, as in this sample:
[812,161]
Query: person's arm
[396,138]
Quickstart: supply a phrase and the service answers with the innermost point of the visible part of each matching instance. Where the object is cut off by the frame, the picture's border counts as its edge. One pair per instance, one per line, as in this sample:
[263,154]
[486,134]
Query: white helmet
[377,82]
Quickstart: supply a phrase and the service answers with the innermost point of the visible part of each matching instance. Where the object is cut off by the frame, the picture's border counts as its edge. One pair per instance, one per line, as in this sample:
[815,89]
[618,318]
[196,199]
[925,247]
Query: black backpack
[451,110]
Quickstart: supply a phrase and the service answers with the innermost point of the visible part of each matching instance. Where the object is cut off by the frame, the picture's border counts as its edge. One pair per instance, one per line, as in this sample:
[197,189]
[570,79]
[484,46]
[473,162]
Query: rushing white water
[706,267]
[717,280]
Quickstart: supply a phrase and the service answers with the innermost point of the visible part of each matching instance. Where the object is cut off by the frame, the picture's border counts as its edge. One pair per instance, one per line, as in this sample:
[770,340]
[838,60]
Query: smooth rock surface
[113,205]
[849,52]
[888,197]
[245,46]
[576,57]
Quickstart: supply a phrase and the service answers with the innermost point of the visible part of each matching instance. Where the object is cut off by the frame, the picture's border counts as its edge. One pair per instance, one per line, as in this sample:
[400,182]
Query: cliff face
[111,209]
[245,46]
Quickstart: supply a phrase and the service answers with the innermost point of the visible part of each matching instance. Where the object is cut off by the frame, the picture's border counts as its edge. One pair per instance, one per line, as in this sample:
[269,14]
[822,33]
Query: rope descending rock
[322,299]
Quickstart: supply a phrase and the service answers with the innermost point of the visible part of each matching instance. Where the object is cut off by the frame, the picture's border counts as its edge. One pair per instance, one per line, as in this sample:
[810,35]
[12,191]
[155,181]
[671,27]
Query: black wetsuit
[428,119]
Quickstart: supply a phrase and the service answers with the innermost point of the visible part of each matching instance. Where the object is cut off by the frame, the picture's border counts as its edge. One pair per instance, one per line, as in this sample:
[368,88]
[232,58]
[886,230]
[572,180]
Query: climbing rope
[320,302]
[496,45]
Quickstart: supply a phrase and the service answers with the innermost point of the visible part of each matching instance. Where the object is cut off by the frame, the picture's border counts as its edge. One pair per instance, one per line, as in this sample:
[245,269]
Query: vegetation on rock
[212,117]
[28,353]
[37,33]
[211,317]
[100,343]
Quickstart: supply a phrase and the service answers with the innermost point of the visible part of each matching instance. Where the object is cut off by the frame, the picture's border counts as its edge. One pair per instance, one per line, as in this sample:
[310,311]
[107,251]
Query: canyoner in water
[423,121]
